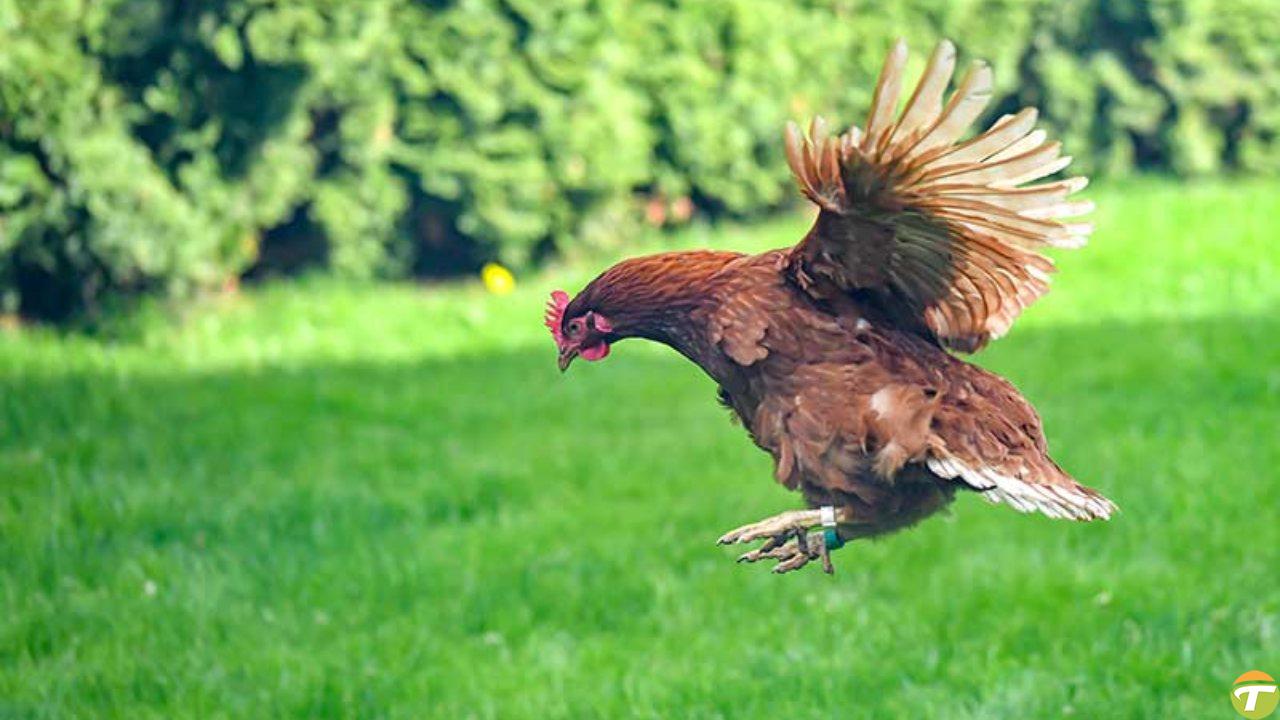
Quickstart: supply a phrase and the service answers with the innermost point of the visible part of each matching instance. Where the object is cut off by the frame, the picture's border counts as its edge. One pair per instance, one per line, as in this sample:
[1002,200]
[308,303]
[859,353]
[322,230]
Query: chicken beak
[566,356]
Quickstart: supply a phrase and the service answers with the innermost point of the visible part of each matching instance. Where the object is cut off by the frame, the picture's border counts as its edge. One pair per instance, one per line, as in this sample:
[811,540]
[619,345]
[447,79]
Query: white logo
[1253,691]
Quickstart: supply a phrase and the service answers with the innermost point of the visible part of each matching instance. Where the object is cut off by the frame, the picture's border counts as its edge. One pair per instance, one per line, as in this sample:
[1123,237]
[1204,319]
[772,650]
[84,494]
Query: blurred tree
[176,146]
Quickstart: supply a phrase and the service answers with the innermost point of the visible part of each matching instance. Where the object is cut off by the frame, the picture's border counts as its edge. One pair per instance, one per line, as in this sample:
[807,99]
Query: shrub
[175,146]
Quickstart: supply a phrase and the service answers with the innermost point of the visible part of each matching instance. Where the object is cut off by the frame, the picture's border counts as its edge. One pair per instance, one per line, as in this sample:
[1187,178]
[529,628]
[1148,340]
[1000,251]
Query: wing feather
[885,99]
[926,102]
[947,230]
[1005,131]
[962,109]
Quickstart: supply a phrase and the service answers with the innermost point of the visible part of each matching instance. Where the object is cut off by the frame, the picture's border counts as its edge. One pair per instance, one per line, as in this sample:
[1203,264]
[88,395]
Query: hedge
[175,146]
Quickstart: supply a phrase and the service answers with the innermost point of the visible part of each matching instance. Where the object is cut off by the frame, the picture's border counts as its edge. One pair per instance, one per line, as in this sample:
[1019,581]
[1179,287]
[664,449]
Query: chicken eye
[575,327]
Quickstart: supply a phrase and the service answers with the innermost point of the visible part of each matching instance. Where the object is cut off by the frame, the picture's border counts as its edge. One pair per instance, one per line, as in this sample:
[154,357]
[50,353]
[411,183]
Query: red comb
[555,314]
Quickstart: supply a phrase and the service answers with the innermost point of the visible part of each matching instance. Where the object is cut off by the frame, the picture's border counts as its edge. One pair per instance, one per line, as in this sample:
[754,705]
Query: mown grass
[332,501]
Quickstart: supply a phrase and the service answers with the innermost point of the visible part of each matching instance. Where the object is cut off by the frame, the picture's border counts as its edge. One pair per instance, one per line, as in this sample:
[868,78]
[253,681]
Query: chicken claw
[781,527]
[792,554]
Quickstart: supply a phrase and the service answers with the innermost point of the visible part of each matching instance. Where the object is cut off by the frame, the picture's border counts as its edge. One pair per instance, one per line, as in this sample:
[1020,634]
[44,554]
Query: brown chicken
[834,353]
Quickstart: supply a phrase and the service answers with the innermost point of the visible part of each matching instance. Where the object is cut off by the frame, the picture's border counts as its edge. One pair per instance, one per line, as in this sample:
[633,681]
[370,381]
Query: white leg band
[828,515]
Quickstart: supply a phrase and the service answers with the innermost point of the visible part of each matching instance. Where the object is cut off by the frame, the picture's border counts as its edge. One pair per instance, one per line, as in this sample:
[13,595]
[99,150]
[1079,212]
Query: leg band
[830,537]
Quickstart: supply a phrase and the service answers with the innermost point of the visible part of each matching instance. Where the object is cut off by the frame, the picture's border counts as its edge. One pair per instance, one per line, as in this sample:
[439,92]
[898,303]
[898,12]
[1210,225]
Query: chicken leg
[787,540]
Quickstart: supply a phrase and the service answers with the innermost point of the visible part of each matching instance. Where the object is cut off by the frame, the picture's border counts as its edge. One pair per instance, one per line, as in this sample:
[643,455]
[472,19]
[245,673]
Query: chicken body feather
[859,413]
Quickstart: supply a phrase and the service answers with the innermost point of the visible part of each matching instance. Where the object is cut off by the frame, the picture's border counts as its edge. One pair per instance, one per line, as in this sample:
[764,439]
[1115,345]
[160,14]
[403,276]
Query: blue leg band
[832,539]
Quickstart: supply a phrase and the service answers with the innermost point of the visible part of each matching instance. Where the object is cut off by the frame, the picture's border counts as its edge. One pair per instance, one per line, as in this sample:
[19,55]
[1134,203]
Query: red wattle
[594,352]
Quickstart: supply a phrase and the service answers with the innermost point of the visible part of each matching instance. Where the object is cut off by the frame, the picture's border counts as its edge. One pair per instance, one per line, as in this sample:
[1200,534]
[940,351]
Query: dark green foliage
[173,146]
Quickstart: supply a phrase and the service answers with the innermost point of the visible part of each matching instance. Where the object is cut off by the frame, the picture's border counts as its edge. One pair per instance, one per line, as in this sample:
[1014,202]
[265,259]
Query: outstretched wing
[944,234]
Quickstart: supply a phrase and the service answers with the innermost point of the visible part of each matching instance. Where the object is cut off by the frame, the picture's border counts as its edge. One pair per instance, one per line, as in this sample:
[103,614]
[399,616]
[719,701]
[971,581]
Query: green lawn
[331,501]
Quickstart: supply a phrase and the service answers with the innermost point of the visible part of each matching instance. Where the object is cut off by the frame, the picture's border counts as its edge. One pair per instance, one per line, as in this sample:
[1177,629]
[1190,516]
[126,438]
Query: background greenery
[176,146]
[325,500]
[336,498]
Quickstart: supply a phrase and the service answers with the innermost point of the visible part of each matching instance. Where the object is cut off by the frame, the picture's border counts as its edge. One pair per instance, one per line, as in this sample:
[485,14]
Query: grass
[332,501]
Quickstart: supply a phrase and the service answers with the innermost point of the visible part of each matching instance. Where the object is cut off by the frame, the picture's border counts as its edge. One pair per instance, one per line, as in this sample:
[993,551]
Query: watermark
[1255,695]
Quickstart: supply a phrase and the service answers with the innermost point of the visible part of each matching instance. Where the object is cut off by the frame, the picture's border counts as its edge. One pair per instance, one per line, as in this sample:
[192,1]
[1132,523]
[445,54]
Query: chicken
[834,353]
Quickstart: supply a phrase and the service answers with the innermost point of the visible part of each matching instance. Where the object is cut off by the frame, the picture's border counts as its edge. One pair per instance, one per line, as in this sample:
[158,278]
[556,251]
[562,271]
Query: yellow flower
[497,279]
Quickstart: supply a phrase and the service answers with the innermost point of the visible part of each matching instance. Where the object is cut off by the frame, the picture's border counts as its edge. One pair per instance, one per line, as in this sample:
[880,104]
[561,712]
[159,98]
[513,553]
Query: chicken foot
[787,540]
